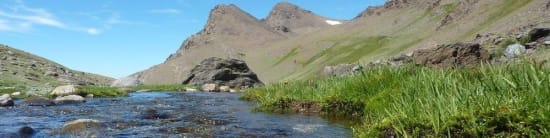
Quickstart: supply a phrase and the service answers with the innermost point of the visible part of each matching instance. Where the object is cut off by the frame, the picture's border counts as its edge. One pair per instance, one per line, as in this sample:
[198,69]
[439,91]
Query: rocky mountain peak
[223,16]
[285,6]
[399,4]
[228,23]
[286,17]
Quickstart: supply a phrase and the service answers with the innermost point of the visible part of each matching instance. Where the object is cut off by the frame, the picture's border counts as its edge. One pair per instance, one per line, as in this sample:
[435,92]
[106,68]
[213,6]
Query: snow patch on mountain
[333,22]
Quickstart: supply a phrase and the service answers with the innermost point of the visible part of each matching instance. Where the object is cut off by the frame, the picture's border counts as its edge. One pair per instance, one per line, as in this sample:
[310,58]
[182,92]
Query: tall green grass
[101,91]
[410,101]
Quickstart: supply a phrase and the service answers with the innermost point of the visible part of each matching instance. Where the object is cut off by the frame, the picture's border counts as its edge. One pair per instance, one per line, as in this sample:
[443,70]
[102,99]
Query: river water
[167,114]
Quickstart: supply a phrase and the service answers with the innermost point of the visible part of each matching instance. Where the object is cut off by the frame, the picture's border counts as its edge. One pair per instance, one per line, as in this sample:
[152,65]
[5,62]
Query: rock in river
[5,100]
[69,99]
[210,88]
[227,72]
[153,114]
[81,126]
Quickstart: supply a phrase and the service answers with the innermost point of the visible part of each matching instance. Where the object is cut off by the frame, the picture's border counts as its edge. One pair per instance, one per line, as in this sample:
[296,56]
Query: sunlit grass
[101,91]
[410,101]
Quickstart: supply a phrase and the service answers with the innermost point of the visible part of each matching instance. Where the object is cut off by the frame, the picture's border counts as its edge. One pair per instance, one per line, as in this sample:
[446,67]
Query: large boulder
[454,55]
[65,90]
[340,70]
[538,33]
[69,99]
[227,72]
[5,100]
[514,51]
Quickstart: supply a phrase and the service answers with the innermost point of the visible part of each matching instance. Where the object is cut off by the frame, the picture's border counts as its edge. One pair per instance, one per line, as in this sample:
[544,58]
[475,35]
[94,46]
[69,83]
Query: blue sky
[119,37]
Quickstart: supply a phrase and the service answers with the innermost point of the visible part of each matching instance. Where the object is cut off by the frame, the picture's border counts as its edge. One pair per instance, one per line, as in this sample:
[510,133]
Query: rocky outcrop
[538,34]
[227,72]
[5,100]
[288,18]
[69,99]
[398,4]
[340,70]
[454,55]
[25,132]
[153,115]
[65,90]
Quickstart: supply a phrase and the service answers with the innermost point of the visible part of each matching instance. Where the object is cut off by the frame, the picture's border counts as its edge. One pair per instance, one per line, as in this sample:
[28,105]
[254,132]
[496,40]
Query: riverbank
[491,100]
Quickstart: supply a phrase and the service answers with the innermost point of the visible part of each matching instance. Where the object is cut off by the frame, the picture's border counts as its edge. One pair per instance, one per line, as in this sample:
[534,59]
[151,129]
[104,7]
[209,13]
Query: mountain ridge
[399,26]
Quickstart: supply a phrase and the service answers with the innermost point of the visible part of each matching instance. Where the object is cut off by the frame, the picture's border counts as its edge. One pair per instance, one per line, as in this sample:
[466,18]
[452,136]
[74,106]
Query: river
[167,114]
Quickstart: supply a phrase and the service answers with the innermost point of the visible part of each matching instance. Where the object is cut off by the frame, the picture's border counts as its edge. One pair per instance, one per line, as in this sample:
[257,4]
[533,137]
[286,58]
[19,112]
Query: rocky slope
[292,43]
[24,72]
[289,19]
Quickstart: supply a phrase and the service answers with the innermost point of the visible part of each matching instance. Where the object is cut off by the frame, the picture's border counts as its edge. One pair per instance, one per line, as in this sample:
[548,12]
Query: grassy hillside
[24,72]
[380,32]
[489,101]
[392,32]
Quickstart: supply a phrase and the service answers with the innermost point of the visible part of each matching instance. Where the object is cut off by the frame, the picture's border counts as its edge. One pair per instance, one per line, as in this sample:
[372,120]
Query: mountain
[228,32]
[287,18]
[32,74]
[292,43]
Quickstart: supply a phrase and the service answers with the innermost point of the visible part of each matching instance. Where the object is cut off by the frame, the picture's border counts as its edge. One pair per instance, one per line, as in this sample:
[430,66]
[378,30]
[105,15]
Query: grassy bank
[101,91]
[410,101]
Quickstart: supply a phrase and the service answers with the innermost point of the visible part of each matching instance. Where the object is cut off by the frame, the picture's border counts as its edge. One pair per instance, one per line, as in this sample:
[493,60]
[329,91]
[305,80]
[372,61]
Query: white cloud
[34,19]
[93,31]
[20,18]
[165,11]
[6,26]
